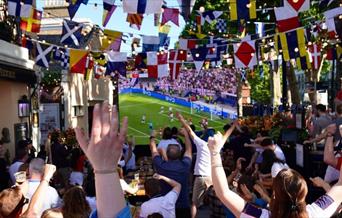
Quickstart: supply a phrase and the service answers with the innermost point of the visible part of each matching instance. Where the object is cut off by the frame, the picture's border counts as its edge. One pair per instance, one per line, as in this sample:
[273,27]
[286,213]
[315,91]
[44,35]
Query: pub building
[17,82]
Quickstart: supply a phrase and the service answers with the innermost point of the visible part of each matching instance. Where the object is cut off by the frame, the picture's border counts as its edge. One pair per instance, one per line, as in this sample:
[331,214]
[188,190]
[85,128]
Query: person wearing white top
[202,170]
[163,205]
[36,171]
[166,141]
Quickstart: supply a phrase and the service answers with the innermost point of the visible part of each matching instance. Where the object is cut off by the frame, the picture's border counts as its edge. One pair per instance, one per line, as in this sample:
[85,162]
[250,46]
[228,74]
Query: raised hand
[105,145]
[216,142]
[49,170]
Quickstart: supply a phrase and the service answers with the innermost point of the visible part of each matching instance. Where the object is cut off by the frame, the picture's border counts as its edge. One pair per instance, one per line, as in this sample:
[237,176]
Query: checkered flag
[62,55]
[221,26]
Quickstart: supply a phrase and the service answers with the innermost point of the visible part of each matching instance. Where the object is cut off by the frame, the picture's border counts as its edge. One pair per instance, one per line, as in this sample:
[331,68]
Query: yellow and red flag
[32,23]
[78,60]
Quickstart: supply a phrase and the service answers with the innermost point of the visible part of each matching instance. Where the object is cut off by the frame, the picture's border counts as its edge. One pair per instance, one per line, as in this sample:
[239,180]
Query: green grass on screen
[134,106]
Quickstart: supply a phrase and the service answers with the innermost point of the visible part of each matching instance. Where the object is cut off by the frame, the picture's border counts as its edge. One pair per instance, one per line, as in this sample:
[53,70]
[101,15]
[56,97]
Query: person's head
[89,185]
[155,215]
[339,110]
[52,213]
[321,109]
[11,202]
[268,158]
[167,133]
[21,152]
[289,190]
[75,203]
[226,127]
[267,143]
[173,152]
[246,181]
[174,131]
[152,187]
[36,168]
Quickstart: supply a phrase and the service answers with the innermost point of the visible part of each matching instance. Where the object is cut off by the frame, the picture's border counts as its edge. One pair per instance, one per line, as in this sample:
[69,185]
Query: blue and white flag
[134,81]
[117,62]
[150,43]
[19,8]
[71,34]
[142,6]
[209,16]
[62,55]
[43,54]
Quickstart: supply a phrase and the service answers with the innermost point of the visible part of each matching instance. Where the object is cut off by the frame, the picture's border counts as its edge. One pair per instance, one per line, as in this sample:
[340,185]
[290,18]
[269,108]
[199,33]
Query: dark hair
[339,109]
[75,204]
[167,133]
[89,185]
[268,158]
[152,187]
[21,150]
[173,152]
[321,108]
[290,190]
[226,127]
[193,127]
[155,215]
[174,130]
[266,142]
[249,181]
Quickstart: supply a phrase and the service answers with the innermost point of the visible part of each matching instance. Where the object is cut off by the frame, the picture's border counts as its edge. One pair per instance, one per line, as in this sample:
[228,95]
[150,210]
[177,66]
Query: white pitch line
[145,135]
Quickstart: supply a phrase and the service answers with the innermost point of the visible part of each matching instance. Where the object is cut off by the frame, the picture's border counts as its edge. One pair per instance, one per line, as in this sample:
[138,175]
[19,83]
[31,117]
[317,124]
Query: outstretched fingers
[105,119]
[96,129]
[81,138]
[114,123]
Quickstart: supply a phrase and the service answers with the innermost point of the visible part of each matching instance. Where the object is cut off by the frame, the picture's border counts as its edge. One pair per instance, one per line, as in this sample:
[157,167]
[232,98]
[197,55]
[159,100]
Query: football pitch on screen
[156,113]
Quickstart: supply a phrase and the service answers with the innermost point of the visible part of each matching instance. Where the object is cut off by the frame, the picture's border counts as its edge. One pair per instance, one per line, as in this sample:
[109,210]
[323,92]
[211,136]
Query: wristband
[215,166]
[105,171]
[48,181]
[214,153]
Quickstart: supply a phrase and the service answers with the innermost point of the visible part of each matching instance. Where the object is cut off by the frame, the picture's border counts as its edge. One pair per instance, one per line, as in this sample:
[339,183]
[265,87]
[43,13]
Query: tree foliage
[259,80]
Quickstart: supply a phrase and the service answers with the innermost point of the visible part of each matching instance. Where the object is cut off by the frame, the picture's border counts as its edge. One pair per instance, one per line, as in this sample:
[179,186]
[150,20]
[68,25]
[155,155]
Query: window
[78,111]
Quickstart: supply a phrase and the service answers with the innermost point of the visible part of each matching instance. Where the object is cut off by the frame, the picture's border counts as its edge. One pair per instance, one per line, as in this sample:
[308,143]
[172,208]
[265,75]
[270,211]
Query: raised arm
[329,156]
[185,125]
[38,198]
[104,151]
[230,131]
[188,145]
[229,198]
[153,145]
[176,186]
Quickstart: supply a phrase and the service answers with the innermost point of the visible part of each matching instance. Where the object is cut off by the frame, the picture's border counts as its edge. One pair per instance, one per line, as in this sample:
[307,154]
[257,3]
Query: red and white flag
[330,21]
[287,19]
[157,66]
[186,44]
[245,54]
[298,5]
[175,62]
[315,51]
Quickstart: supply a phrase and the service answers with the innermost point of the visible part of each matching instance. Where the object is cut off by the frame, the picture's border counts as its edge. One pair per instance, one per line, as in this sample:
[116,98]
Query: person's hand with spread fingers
[104,151]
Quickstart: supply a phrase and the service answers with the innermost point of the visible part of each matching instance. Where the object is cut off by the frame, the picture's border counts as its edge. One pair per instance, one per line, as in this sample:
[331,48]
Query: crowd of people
[210,83]
[232,173]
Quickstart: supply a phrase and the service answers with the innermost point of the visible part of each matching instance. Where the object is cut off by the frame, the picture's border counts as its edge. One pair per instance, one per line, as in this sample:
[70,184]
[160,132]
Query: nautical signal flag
[287,19]
[186,44]
[135,20]
[43,54]
[163,35]
[315,51]
[245,54]
[142,6]
[89,68]
[32,23]
[176,58]
[209,16]
[199,55]
[73,7]
[19,8]
[303,63]
[117,62]
[297,5]
[157,66]
[242,9]
[293,44]
[72,33]
[108,9]
[170,14]
[150,43]
[141,60]
[78,60]
[111,40]
[333,21]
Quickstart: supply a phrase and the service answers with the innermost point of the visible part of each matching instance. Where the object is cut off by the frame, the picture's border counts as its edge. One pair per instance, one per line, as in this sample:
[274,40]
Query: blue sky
[118,20]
